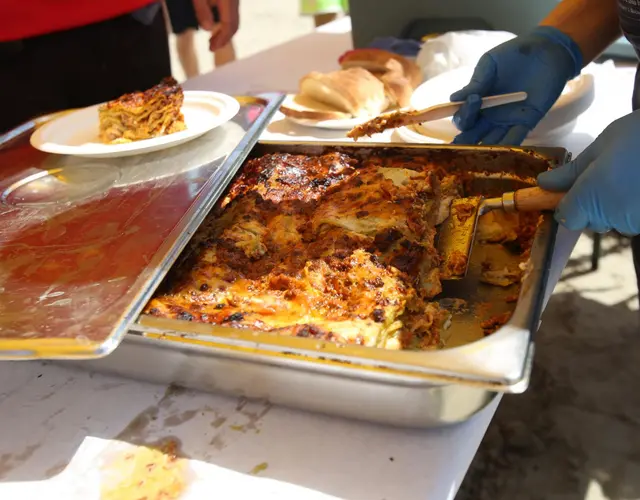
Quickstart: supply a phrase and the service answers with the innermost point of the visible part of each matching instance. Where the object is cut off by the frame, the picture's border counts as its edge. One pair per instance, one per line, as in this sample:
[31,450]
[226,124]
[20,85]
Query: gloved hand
[540,64]
[603,183]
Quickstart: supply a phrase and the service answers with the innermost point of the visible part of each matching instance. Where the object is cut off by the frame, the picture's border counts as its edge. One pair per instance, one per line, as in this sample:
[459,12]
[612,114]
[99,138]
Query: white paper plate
[77,133]
[575,99]
[413,134]
[346,124]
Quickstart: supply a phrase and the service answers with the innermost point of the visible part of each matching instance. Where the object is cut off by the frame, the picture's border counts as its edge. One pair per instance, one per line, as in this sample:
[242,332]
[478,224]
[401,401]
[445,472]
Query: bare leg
[321,19]
[187,53]
[635,251]
[225,55]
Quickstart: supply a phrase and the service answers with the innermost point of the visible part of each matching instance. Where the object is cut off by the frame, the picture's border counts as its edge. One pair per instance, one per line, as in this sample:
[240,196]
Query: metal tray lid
[85,242]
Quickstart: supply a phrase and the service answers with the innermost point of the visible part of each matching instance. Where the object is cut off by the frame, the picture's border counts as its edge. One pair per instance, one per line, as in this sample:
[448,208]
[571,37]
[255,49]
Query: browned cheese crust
[325,247]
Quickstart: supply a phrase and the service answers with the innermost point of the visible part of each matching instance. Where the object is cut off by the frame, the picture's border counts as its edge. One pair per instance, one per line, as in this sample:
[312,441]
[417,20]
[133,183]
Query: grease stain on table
[261,467]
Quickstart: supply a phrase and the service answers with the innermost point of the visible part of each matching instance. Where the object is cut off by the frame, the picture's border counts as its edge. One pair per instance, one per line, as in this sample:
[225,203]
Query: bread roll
[382,61]
[355,91]
[303,107]
[398,89]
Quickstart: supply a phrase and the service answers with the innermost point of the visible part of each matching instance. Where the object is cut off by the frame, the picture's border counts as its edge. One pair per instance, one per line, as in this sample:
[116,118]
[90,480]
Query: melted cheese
[497,226]
[248,236]
[379,199]
[449,190]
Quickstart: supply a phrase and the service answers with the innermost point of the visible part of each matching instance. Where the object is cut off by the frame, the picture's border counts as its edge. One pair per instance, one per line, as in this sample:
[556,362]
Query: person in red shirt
[63,54]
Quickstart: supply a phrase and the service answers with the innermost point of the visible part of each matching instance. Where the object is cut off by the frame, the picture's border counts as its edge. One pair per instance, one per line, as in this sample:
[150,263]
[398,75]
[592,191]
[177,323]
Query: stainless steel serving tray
[85,242]
[406,388]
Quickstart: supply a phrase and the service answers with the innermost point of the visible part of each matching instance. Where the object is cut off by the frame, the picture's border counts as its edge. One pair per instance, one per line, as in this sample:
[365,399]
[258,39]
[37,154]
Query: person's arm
[229,11]
[222,31]
[592,24]
[539,63]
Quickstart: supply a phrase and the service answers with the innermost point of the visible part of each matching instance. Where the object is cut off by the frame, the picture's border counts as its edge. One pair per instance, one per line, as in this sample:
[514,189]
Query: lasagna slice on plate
[143,115]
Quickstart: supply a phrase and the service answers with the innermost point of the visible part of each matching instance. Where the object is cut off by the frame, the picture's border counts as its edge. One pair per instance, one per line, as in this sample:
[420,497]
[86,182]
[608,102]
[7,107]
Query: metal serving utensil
[456,234]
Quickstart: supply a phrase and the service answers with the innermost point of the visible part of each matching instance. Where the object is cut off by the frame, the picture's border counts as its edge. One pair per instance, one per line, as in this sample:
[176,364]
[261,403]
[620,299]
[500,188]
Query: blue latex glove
[603,183]
[540,64]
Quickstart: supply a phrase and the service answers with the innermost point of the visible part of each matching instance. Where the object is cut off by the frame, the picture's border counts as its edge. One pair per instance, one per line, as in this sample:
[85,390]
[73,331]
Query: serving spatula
[403,118]
[457,232]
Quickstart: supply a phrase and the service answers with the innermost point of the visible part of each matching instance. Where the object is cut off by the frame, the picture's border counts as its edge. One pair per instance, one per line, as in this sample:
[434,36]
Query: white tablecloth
[56,421]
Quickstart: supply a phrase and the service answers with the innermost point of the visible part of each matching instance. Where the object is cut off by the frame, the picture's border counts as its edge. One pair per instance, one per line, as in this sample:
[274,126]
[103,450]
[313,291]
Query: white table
[57,422]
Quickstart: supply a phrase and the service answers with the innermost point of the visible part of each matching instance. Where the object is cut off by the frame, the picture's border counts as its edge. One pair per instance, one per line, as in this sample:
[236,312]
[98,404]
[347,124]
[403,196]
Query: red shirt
[26,18]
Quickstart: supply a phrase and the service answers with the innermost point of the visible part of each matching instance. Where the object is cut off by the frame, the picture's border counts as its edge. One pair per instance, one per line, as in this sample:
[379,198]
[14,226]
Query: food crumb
[261,467]
[464,210]
[503,277]
[511,299]
[482,309]
[494,323]
[454,306]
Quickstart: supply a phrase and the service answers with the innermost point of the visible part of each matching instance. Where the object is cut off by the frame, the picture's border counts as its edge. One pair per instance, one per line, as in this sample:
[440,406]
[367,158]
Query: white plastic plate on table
[76,133]
[575,99]
[412,134]
[345,124]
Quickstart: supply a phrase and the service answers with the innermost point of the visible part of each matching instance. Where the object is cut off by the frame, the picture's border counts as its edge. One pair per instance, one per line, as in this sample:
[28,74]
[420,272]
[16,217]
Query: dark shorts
[80,67]
[183,16]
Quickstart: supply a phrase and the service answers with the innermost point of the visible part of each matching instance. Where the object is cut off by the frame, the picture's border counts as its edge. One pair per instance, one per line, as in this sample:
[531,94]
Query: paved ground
[575,435]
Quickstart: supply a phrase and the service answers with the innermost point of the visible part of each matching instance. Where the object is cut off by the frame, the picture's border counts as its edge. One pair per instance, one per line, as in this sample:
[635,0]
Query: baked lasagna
[143,115]
[328,247]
